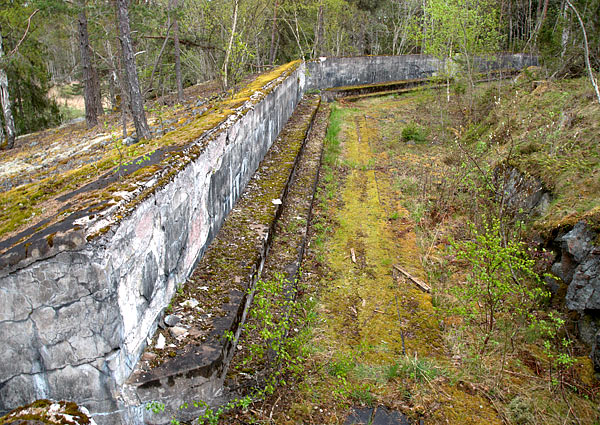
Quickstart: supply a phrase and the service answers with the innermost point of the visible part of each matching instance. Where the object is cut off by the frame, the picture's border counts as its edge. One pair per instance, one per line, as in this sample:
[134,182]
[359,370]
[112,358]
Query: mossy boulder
[48,412]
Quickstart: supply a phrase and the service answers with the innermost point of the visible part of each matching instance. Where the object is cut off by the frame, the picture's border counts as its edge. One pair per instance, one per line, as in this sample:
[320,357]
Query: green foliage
[502,278]
[557,345]
[418,369]
[414,133]
[341,366]
[272,310]
[211,416]
[469,28]
[362,394]
[28,79]
[155,406]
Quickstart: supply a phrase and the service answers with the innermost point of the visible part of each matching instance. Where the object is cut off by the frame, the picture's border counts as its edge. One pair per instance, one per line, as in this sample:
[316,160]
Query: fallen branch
[425,287]
[13,51]
[353,255]
[586,51]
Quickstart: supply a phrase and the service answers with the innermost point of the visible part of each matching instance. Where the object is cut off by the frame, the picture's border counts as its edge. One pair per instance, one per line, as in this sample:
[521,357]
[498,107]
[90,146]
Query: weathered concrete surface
[193,367]
[75,319]
[351,71]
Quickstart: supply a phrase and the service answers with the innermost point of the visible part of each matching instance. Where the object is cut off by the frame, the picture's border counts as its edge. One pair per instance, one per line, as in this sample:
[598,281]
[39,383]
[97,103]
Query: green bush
[414,133]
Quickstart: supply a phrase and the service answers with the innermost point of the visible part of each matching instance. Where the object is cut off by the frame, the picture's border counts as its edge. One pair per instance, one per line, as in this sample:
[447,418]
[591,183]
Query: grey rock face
[522,194]
[579,268]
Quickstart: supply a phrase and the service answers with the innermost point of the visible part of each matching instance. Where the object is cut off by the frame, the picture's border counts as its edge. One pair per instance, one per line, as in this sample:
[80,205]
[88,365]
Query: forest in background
[81,47]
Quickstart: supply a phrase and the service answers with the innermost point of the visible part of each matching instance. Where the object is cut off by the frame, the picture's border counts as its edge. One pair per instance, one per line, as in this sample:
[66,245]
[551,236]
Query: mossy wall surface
[74,321]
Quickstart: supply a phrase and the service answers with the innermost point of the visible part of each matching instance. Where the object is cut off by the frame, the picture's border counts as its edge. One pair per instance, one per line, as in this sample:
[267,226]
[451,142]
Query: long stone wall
[348,71]
[74,324]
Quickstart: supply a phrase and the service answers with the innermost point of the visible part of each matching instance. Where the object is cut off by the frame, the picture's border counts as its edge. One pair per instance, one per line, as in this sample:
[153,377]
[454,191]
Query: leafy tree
[502,279]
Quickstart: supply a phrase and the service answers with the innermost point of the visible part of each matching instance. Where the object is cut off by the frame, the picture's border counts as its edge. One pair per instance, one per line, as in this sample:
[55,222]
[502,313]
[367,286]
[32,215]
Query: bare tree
[317,49]
[9,122]
[133,86]
[230,46]
[273,33]
[586,51]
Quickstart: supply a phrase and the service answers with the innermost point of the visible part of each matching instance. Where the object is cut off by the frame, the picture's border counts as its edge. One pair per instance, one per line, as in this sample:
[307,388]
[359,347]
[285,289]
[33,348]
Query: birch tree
[9,123]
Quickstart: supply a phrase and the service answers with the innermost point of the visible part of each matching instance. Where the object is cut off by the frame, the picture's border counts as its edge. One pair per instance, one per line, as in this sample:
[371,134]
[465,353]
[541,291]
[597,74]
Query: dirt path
[366,303]
[380,337]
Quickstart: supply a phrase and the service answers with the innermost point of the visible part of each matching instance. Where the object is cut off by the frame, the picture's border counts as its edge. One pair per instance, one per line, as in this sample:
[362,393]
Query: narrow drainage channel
[187,361]
[282,265]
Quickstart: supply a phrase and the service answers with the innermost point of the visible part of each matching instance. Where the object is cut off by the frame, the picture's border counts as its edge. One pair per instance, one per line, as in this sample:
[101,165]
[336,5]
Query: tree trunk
[135,95]
[9,122]
[97,92]
[177,54]
[273,32]
[317,51]
[1,132]
[586,51]
[228,53]
[90,79]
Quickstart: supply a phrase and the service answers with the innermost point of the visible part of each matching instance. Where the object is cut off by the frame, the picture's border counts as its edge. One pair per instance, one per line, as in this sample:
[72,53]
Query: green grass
[68,113]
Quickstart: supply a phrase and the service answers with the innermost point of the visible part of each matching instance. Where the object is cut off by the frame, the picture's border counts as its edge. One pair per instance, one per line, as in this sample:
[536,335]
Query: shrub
[414,133]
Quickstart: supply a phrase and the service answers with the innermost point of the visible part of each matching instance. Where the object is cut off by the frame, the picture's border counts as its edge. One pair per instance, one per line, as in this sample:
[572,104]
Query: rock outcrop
[578,266]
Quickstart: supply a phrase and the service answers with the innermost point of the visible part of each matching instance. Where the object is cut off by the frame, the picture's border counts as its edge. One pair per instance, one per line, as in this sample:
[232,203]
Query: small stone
[276,201]
[128,141]
[148,356]
[177,331]
[160,342]
[172,320]
[191,303]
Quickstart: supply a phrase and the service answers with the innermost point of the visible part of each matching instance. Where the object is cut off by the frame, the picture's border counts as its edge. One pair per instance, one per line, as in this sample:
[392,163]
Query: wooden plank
[425,287]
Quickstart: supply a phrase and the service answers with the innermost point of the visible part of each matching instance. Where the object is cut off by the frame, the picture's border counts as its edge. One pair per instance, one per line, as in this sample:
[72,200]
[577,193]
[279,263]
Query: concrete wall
[348,71]
[74,325]
[333,72]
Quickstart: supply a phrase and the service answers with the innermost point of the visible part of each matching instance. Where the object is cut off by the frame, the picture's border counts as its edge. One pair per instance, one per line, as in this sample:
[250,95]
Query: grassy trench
[378,340]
